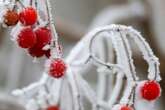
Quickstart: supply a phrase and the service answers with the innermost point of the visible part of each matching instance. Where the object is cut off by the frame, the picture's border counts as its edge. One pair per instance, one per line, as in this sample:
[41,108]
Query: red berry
[43,37]
[150,90]
[26,38]
[28,16]
[53,108]
[36,52]
[122,107]
[57,68]
[126,108]
[11,18]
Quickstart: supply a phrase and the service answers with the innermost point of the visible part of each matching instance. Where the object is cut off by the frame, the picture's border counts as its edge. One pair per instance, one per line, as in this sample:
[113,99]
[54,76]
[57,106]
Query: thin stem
[54,42]
[22,5]
[48,92]
[129,56]
[14,5]
[31,2]
[98,61]
[39,18]
[74,88]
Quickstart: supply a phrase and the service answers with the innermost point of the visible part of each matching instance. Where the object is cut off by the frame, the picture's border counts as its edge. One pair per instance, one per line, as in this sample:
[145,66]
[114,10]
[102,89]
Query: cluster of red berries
[28,38]
[34,40]
[28,16]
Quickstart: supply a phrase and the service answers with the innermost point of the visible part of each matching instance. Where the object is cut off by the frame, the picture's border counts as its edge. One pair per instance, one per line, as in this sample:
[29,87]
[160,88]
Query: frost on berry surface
[26,37]
[43,35]
[57,68]
[28,16]
[10,18]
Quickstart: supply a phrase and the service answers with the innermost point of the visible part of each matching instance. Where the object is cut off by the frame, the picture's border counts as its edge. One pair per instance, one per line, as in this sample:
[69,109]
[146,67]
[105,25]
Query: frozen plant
[62,85]
[80,88]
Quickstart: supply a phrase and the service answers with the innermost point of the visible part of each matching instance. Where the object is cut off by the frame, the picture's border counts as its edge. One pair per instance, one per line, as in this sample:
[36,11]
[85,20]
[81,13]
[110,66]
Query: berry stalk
[54,42]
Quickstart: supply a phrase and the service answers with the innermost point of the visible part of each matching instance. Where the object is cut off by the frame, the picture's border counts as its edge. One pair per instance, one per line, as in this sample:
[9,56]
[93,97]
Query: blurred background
[74,18]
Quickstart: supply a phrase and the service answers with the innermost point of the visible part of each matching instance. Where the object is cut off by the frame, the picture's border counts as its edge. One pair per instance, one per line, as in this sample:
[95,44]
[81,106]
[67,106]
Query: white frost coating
[80,87]
[15,31]
[3,6]
[75,90]
[130,73]
[31,105]
[116,90]
[56,94]
[2,14]
[102,78]
[128,54]
[30,90]
[127,93]
[88,91]
[101,84]
[148,55]
[144,47]
[124,60]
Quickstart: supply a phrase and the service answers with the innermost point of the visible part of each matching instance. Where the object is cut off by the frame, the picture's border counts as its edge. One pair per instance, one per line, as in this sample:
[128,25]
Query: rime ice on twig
[124,67]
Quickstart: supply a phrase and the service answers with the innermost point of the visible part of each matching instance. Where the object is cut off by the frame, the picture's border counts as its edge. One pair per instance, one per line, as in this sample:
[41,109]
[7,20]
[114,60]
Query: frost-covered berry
[43,35]
[122,107]
[57,68]
[36,52]
[28,16]
[26,38]
[150,90]
[53,108]
[11,18]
